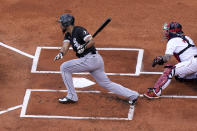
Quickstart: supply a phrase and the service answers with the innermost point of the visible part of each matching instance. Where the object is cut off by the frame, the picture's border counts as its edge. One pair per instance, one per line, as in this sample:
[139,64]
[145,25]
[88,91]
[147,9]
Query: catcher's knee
[165,79]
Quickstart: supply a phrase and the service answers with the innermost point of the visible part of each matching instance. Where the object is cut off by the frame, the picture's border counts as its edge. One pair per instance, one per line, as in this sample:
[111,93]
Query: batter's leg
[102,79]
[88,63]
[104,82]
[69,67]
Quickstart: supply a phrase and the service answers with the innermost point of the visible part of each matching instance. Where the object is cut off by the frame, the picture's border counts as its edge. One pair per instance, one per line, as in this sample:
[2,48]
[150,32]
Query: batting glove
[59,56]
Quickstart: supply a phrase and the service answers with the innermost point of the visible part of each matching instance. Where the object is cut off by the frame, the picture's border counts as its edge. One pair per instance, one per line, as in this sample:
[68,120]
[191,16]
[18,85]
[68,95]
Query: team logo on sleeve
[85,32]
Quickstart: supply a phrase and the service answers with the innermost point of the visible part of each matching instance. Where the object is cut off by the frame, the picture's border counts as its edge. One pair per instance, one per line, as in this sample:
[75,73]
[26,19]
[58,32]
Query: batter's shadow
[118,99]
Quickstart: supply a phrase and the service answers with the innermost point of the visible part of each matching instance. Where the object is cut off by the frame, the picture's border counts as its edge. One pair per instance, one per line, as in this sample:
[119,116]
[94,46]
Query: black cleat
[133,102]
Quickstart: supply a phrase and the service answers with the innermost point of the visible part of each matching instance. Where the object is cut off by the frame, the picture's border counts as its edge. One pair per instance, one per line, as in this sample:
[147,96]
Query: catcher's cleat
[66,100]
[151,94]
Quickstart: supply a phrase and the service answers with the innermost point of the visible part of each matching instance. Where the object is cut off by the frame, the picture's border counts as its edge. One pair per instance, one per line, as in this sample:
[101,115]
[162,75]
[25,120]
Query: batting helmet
[172,30]
[66,20]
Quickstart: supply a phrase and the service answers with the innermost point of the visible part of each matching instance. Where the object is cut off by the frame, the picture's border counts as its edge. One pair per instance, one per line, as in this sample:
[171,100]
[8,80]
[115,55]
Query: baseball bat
[101,27]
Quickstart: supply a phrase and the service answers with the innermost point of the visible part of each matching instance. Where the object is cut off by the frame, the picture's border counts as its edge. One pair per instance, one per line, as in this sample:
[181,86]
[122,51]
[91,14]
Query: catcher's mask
[172,30]
[66,20]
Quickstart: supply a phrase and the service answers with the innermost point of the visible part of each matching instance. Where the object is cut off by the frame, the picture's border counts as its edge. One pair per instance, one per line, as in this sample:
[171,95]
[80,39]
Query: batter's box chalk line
[38,51]
[130,112]
[34,70]
[137,70]
[28,95]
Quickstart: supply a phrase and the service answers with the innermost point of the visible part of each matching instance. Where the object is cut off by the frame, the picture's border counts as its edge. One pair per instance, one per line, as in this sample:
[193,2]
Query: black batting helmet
[66,20]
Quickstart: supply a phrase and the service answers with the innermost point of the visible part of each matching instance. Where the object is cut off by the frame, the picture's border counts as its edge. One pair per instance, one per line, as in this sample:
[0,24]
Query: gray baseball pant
[94,64]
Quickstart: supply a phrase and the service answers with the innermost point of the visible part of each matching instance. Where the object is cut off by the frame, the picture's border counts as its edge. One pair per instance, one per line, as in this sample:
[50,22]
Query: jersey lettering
[77,39]
[76,44]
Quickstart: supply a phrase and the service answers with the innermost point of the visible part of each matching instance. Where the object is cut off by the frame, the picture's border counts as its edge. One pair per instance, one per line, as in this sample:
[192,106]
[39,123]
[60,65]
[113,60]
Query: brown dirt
[27,24]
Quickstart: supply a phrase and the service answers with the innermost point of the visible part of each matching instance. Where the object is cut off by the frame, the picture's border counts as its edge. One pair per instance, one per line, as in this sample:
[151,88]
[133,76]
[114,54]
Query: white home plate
[82,82]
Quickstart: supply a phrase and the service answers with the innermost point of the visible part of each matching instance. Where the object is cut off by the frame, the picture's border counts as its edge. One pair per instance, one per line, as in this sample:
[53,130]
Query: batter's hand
[81,48]
[59,56]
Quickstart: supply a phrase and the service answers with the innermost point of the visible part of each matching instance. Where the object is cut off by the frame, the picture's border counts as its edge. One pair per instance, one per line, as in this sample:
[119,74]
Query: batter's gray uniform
[89,61]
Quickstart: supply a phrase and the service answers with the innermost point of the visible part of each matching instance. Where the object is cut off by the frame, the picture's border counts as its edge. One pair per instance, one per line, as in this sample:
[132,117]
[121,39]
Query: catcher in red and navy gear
[184,50]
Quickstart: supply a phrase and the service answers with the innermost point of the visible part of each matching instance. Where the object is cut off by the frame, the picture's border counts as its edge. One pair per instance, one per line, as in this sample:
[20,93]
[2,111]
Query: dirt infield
[28,24]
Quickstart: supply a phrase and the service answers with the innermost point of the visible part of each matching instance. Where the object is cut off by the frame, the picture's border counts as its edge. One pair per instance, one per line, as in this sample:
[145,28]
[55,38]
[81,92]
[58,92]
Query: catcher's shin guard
[163,81]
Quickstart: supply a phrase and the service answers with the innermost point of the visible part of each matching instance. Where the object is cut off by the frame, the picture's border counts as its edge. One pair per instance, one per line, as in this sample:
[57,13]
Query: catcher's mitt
[158,60]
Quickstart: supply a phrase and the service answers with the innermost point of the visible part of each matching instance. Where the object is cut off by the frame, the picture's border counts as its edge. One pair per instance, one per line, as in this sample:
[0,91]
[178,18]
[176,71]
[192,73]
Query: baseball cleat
[151,94]
[133,102]
[66,100]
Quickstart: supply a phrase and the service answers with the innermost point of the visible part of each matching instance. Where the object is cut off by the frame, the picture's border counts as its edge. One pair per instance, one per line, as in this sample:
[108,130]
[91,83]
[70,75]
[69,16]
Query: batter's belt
[91,51]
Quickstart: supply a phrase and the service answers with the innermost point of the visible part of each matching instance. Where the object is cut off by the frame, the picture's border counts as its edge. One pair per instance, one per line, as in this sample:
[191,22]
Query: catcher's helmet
[66,20]
[172,29]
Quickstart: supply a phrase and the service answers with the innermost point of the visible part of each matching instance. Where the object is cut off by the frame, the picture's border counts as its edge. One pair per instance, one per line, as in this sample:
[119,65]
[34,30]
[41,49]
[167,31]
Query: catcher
[184,50]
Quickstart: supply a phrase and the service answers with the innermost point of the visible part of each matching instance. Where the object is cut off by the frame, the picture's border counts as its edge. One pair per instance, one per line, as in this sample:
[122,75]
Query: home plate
[82,82]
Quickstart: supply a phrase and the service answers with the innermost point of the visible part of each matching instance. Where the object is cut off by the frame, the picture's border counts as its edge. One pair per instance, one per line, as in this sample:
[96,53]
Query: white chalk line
[74,117]
[25,102]
[138,64]
[16,50]
[35,60]
[10,109]
[85,73]
[38,51]
[78,91]
[112,74]
[137,73]
[175,96]
[28,94]
[130,112]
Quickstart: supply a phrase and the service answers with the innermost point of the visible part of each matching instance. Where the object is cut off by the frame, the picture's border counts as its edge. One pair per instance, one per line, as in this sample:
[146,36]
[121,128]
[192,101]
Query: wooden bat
[101,27]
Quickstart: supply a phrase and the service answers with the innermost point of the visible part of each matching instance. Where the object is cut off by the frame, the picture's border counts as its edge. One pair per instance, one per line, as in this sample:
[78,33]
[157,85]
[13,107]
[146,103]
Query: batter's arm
[90,42]
[63,50]
[65,47]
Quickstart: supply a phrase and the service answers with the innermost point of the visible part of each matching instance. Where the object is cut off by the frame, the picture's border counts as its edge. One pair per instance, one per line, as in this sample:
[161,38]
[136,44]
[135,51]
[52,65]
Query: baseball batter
[89,60]
[185,51]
